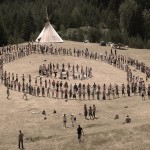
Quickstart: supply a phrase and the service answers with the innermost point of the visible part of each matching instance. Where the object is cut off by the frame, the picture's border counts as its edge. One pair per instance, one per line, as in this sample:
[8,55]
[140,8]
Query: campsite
[64,85]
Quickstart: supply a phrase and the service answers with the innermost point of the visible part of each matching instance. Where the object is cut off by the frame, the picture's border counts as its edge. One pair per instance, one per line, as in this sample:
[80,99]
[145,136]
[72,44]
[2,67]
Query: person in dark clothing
[148,92]
[75,87]
[85,112]
[128,89]
[61,84]
[20,140]
[94,111]
[43,91]
[90,112]
[55,72]
[127,120]
[79,132]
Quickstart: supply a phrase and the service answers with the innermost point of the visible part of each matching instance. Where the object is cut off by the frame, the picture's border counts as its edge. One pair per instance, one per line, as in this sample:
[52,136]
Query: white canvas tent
[49,35]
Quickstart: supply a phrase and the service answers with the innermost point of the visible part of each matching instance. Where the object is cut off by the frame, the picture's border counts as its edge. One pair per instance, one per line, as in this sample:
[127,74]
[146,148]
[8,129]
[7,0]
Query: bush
[148,44]
[80,35]
[34,36]
[94,35]
[116,36]
[11,40]
[136,42]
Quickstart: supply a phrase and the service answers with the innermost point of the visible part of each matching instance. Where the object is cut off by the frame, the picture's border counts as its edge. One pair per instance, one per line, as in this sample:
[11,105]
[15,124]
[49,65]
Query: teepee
[48,34]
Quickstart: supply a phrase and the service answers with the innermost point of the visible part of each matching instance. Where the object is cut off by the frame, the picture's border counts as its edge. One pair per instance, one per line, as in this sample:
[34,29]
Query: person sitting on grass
[116,116]
[127,120]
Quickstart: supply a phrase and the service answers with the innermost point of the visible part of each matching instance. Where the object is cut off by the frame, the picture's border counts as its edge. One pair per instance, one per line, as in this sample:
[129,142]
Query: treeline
[118,21]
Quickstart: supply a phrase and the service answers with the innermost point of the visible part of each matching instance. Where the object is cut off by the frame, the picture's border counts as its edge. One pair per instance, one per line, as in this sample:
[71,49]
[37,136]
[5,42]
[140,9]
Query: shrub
[136,42]
[148,44]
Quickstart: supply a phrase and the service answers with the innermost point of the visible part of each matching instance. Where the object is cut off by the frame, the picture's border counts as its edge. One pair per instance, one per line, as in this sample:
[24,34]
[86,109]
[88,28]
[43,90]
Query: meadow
[103,133]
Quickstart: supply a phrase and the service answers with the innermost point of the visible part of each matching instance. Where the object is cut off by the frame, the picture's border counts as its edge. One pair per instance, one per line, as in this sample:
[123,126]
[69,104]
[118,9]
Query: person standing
[40,81]
[128,90]
[70,93]
[38,91]
[79,132]
[98,95]
[62,92]
[85,111]
[8,93]
[48,92]
[55,72]
[43,91]
[20,140]
[123,90]
[93,93]
[94,111]
[72,119]
[74,94]
[143,95]
[84,93]
[90,112]
[57,93]
[66,93]
[64,120]
[36,81]
[148,92]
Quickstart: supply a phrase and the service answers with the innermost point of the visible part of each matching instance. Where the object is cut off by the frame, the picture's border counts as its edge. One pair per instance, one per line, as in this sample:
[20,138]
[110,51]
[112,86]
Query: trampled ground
[100,134]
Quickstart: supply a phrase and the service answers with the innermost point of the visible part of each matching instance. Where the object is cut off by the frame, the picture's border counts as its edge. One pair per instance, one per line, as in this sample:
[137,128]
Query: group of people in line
[64,90]
[65,72]
[10,53]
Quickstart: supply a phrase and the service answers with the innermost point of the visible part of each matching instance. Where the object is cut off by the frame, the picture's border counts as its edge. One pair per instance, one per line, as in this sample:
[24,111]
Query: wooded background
[118,21]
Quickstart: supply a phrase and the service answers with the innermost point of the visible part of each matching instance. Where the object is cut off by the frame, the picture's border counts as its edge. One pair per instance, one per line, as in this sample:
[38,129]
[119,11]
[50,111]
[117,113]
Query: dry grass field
[103,133]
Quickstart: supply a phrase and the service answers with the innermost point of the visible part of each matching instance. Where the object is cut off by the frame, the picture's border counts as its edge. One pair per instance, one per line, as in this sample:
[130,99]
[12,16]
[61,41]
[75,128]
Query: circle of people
[14,52]
[134,84]
[69,72]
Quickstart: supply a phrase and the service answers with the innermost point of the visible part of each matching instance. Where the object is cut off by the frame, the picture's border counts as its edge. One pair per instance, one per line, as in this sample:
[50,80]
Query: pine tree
[28,27]
[3,35]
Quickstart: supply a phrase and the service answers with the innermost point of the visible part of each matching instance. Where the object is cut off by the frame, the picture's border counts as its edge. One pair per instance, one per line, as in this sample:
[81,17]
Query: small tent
[49,35]
[103,43]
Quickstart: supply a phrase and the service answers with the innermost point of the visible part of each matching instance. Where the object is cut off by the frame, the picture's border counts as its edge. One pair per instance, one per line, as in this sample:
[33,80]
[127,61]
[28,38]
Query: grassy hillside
[100,134]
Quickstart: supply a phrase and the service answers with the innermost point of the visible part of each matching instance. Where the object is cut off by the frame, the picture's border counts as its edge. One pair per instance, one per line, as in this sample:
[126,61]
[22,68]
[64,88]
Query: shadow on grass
[38,138]
[142,128]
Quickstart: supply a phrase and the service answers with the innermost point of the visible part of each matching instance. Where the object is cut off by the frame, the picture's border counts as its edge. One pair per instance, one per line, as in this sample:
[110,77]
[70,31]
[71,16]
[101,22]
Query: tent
[49,35]
[103,43]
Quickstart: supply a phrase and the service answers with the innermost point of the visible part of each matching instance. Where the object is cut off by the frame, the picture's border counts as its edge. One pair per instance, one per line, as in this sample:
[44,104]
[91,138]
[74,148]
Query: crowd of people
[64,90]
[65,71]
[11,53]
[61,90]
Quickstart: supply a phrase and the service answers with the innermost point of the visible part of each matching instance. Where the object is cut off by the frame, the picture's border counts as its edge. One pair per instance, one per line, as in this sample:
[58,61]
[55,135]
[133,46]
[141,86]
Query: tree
[131,20]
[115,36]
[76,17]
[80,36]
[3,35]
[112,21]
[146,15]
[94,35]
[28,27]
